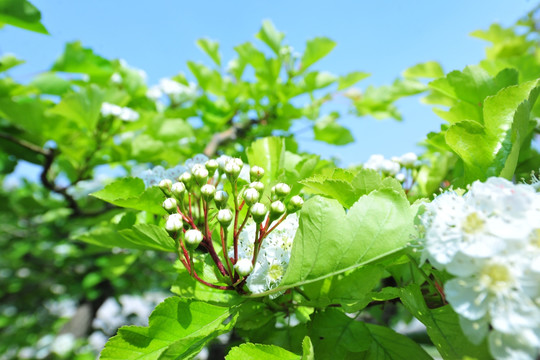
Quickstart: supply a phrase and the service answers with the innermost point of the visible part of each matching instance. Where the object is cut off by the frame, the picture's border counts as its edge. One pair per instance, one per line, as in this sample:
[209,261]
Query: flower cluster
[176,91]
[255,226]
[123,113]
[489,239]
[392,166]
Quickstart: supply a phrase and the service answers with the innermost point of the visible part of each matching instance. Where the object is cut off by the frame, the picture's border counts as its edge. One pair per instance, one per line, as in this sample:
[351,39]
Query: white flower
[63,344]
[377,162]
[407,159]
[154,92]
[273,258]
[123,113]
[116,78]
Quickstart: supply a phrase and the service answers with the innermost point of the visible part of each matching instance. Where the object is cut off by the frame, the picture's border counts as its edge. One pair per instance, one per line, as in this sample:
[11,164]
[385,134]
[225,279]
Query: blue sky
[380,37]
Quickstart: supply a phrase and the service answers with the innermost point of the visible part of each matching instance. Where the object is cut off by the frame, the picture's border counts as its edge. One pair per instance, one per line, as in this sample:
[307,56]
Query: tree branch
[229,135]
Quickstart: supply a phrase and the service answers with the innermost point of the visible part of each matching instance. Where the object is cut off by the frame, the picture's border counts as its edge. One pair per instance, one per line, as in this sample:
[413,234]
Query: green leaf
[270,36]
[429,70]
[149,236]
[131,193]
[178,329]
[50,83]
[316,49]
[249,351]
[83,107]
[493,149]
[77,59]
[8,61]
[307,349]
[347,187]
[442,326]
[317,80]
[336,336]
[269,154]
[330,241]
[351,79]
[328,130]
[23,14]
[211,48]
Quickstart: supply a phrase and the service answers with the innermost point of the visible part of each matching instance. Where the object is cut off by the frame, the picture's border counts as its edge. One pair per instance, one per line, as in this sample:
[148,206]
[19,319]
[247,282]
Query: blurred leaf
[149,236]
[82,107]
[8,61]
[178,329]
[318,79]
[77,59]
[211,48]
[250,351]
[351,79]
[316,49]
[328,130]
[429,70]
[23,14]
[307,349]
[50,83]
[271,36]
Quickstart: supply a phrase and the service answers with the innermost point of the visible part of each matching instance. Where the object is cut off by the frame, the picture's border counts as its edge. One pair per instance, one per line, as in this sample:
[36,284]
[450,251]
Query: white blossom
[123,113]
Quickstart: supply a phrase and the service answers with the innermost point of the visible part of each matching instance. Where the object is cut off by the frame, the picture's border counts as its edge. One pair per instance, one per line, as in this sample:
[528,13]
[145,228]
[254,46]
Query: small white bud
[174,223]
[221,198]
[282,189]
[225,217]
[238,162]
[277,208]
[165,183]
[295,204]
[170,205]
[408,159]
[185,178]
[251,196]
[243,267]
[211,165]
[232,170]
[400,177]
[256,173]
[257,185]
[258,211]
[208,191]
[178,189]
[193,237]
[200,173]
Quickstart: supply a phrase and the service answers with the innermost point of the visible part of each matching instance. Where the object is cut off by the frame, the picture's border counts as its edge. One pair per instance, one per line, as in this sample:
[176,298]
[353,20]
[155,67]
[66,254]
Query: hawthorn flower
[489,239]
[273,259]
[377,162]
[123,113]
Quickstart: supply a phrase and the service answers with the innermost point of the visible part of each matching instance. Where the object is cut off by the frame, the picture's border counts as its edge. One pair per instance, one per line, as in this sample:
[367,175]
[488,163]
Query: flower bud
[257,185]
[211,165]
[277,208]
[232,170]
[243,267]
[408,159]
[225,217]
[256,173]
[282,190]
[208,191]
[174,223]
[400,177]
[187,179]
[295,204]
[193,238]
[165,186]
[237,162]
[200,173]
[221,198]
[258,211]
[170,205]
[251,196]
[178,189]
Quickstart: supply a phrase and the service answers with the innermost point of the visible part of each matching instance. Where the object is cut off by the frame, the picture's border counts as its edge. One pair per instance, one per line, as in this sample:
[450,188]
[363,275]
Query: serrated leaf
[149,236]
[442,326]
[177,329]
[271,36]
[316,49]
[23,14]
[211,48]
[8,61]
[330,241]
[351,78]
[249,351]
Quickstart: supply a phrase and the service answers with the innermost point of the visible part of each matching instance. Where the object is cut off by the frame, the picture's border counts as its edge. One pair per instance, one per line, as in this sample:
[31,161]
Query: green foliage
[23,14]
[263,352]
[178,329]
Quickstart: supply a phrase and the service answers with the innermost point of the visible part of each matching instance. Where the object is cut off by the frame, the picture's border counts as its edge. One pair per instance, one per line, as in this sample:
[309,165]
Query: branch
[25,144]
[229,135]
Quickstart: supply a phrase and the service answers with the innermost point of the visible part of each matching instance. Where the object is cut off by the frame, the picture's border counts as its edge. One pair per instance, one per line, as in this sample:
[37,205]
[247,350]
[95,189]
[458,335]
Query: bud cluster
[211,204]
